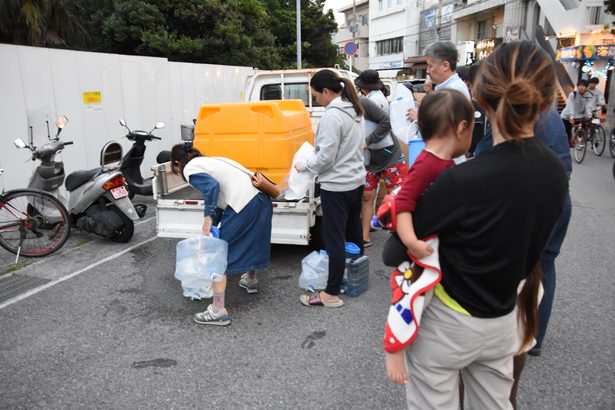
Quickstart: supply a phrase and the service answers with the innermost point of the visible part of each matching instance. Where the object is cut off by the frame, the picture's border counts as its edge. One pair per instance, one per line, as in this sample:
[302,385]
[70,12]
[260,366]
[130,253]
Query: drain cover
[15,285]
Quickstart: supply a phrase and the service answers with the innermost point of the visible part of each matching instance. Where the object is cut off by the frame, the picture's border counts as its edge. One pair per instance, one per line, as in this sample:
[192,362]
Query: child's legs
[369,198]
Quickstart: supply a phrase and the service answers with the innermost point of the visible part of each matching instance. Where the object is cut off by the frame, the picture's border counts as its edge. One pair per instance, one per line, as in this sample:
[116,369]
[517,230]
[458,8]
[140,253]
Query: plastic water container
[199,262]
[314,271]
[415,146]
[357,279]
[352,250]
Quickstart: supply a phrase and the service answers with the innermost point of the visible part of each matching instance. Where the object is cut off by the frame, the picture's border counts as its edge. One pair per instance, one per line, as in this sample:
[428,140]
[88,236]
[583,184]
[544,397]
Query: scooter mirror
[159,125]
[122,122]
[19,143]
[61,122]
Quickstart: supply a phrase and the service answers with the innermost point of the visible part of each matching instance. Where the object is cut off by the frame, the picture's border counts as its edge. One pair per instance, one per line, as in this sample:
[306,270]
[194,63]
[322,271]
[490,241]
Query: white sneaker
[249,285]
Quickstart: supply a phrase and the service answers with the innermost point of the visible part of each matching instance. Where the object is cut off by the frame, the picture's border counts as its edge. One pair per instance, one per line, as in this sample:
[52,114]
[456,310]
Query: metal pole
[298,34]
[355,27]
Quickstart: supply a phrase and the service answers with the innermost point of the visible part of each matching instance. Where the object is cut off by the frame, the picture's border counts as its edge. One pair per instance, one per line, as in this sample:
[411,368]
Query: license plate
[119,192]
[596,121]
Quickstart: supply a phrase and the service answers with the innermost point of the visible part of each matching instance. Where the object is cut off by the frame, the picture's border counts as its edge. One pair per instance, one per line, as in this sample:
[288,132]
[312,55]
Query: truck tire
[316,242]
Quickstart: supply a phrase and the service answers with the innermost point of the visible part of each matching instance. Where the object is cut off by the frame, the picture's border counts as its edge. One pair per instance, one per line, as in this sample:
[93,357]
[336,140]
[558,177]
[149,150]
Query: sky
[336,4]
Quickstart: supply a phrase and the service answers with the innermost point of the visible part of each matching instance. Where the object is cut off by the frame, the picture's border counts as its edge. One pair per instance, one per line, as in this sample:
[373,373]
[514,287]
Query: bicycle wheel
[598,140]
[579,145]
[612,143]
[33,223]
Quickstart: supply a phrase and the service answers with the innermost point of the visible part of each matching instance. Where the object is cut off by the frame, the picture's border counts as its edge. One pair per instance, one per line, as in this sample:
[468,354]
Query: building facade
[355,28]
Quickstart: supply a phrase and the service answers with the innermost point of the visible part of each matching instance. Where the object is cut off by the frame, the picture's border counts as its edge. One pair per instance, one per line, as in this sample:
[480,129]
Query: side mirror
[159,125]
[19,143]
[61,122]
[122,122]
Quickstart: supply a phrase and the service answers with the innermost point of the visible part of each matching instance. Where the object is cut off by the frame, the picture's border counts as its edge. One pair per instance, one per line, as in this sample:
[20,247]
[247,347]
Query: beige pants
[450,344]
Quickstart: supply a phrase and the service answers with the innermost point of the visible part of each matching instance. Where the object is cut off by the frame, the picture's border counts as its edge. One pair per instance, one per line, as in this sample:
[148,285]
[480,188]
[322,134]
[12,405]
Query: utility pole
[353,30]
[298,34]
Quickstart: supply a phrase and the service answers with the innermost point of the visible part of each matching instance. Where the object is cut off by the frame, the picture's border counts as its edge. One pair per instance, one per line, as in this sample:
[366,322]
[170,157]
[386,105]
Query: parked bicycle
[32,222]
[612,143]
[588,131]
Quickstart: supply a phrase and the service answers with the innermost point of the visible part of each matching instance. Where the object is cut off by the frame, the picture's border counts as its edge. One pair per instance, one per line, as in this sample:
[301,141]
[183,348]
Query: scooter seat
[78,178]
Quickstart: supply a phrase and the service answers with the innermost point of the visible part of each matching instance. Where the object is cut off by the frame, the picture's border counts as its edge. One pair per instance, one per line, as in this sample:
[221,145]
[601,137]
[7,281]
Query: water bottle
[314,271]
[199,262]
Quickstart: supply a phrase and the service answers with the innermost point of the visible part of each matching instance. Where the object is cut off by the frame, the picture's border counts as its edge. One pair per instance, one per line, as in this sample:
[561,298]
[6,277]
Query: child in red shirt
[446,120]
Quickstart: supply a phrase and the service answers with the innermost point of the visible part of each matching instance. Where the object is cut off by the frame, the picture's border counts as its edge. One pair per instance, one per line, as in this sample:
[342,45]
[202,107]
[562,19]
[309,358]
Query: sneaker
[208,317]
[249,285]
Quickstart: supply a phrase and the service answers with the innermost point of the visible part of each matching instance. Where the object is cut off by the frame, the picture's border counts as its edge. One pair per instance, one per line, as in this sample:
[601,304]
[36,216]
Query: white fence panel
[94,91]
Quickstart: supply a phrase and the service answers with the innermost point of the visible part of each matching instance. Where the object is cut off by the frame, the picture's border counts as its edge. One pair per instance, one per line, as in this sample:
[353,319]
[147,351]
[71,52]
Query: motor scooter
[131,162]
[97,198]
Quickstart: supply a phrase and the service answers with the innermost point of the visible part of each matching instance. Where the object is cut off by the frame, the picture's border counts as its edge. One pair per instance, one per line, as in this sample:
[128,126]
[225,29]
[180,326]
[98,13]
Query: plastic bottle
[356,274]
[200,261]
[314,271]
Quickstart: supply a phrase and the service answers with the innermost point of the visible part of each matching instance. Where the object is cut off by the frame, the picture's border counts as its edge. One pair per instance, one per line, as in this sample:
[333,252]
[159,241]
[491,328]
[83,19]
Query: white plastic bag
[299,182]
[314,271]
[403,100]
[199,262]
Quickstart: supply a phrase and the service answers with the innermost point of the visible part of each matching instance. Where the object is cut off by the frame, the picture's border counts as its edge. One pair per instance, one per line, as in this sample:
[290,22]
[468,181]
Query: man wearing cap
[371,86]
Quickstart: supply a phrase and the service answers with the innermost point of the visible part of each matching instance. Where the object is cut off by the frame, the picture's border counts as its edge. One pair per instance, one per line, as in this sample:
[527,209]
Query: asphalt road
[111,329]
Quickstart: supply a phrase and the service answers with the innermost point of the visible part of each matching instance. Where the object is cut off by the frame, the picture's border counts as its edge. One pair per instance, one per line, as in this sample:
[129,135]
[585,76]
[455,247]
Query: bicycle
[33,223]
[588,131]
[612,143]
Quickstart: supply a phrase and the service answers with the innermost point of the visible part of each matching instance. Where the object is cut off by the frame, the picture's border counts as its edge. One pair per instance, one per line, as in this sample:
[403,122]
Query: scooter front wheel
[125,233]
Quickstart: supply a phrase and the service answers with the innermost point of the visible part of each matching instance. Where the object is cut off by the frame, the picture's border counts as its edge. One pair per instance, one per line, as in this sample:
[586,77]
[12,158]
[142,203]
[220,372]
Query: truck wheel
[316,241]
[124,234]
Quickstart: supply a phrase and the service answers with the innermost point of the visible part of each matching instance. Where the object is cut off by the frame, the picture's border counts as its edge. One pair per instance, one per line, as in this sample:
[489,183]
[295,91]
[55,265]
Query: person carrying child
[446,120]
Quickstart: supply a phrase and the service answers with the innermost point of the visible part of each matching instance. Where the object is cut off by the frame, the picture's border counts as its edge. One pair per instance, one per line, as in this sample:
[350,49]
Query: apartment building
[355,28]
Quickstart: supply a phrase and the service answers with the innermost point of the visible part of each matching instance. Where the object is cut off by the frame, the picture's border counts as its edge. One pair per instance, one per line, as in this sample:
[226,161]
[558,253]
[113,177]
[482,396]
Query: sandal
[367,244]
[313,299]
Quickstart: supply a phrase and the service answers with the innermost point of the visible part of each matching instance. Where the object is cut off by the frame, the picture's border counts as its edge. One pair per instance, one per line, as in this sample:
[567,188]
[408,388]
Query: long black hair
[330,80]
[181,154]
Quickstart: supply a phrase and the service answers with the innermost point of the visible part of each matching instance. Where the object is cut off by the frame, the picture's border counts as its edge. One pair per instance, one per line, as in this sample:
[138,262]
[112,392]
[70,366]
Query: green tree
[317,48]
[40,22]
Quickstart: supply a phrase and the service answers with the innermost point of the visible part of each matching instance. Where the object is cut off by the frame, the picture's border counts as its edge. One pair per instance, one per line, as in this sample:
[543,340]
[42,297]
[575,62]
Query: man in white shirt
[442,59]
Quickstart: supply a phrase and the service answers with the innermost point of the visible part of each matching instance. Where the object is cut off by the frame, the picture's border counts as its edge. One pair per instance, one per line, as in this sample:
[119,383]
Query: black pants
[341,222]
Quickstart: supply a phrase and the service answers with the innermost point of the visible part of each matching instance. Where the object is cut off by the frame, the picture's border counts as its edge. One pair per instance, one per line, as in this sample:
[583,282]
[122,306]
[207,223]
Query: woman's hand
[420,249]
[207,225]
[396,367]
[298,166]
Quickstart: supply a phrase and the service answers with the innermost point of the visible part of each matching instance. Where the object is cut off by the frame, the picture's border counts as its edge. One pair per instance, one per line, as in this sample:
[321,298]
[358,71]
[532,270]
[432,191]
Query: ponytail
[349,94]
[527,303]
[330,80]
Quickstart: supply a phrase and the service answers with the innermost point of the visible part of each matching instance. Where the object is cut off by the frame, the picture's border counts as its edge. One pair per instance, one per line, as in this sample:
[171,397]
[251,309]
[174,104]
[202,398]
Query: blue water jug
[314,271]
[356,280]
[200,261]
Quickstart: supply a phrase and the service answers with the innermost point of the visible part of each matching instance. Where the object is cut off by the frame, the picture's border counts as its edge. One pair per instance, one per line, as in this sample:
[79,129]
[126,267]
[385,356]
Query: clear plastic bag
[403,100]
[199,262]
[314,271]
[299,182]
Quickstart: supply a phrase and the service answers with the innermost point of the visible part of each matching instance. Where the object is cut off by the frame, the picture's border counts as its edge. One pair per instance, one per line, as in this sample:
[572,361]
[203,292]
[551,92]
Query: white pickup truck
[179,207]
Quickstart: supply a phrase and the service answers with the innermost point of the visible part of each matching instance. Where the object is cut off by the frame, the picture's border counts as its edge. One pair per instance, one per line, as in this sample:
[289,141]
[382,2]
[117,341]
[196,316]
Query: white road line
[72,275]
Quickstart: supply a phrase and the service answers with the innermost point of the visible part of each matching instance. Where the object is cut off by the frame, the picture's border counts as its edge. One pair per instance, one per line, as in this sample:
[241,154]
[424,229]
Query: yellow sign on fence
[92,97]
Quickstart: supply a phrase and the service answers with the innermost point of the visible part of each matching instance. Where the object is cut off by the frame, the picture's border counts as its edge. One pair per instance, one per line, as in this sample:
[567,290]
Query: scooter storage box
[261,135]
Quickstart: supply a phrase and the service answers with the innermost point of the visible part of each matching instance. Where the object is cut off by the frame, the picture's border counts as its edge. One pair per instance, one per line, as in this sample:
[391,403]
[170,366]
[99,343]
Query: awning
[416,60]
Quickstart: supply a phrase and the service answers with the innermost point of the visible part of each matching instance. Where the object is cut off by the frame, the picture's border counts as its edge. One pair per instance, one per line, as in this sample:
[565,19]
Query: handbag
[259,181]
[265,185]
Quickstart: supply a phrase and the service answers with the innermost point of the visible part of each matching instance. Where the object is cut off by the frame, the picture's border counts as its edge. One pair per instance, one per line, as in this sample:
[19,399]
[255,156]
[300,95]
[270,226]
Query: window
[390,46]
[380,4]
[483,30]
[594,15]
[364,20]
[294,91]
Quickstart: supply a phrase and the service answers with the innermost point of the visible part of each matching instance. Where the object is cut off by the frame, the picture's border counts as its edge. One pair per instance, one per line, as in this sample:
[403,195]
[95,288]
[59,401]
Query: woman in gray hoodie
[338,164]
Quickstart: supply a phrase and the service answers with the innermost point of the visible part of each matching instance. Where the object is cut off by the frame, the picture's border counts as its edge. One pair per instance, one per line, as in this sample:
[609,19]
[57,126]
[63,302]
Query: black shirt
[493,215]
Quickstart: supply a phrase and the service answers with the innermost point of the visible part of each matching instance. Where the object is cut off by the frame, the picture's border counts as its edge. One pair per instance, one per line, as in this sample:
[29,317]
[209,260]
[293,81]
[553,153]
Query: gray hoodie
[338,162]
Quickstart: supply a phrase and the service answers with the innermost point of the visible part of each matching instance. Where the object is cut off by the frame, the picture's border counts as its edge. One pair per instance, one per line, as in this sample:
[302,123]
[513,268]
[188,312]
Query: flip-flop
[367,244]
[313,299]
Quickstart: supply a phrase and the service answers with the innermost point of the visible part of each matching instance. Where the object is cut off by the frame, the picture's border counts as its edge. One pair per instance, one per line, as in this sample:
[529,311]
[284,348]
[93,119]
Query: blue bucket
[415,147]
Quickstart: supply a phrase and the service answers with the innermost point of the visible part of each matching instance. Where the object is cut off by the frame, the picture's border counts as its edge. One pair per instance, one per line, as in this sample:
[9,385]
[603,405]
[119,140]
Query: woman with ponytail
[493,216]
[338,165]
